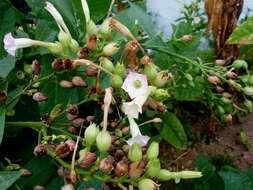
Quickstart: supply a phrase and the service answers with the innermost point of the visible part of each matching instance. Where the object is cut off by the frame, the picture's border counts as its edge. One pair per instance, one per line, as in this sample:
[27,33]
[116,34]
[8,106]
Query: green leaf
[188,92]
[172,130]
[6,65]
[8,178]
[243,34]
[235,179]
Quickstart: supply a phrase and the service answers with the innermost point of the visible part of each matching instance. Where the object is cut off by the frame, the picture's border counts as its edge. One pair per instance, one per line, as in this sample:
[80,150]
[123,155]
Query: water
[164,13]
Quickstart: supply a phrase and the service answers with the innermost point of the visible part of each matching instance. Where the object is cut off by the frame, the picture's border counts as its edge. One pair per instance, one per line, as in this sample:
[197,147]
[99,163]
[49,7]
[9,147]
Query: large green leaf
[188,92]
[6,65]
[243,34]
[172,130]
[8,178]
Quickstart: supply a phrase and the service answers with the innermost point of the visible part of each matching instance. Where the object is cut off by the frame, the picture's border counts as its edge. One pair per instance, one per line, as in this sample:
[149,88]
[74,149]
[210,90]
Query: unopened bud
[220,62]
[62,150]
[120,69]
[248,90]
[90,118]
[110,49]
[71,143]
[40,150]
[107,64]
[92,42]
[103,141]
[36,67]
[107,164]
[67,187]
[87,160]
[64,38]
[147,184]
[126,130]
[38,187]
[105,29]
[135,154]
[91,72]
[78,122]
[248,105]
[227,95]
[66,84]
[219,89]
[166,175]
[57,65]
[186,38]
[91,28]
[74,46]
[153,167]
[39,97]
[153,151]
[237,64]
[214,80]
[150,71]
[122,168]
[161,95]
[91,133]
[225,100]
[78,81]
[83,53]
[232,75]
[116,81]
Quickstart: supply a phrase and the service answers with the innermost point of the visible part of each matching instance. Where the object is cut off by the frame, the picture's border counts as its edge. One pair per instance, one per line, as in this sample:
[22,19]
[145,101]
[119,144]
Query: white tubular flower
[12,44]
[135,84]
[86,10]
[57,17]
[136,134]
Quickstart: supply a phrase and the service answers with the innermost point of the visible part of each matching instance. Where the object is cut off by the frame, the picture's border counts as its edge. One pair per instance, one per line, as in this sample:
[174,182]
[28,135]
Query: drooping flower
[135,84]
[136,134]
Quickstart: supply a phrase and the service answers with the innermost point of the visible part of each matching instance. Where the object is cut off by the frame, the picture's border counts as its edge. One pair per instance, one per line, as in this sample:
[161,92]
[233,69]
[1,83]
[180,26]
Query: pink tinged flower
[136,134]
[135,84]
[131,109]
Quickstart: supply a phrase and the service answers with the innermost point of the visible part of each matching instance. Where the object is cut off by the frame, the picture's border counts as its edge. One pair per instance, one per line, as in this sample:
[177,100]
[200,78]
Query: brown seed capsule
[71,117]
[214,80]
[57,65]
[136,169]
[73,110]
[227,95]
[146,60]
[186,38]
[111,149]
[220,62]
[90,118]
[87,160]
[116,143]
[66,84]
[126,148]
[92,42]
[46,119]
[38,187]
[143,150]
[67,187]
[36,67]
[39,97]
[106,187]
[62,150]
[90,188]
[114,124]
[72,130]
[62,172]
[26,172]
[107,164]
[122,168]
[3,95]
[78,122]
[161,108]
[91,72]
[219,89]
[125,130]
[78,81]
[231,75]
[68,64]
[40,150]
[119,154]
[83,53]
[71,144]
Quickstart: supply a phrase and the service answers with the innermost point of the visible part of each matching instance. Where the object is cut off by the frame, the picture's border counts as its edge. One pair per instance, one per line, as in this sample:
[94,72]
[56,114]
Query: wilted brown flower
[87,160]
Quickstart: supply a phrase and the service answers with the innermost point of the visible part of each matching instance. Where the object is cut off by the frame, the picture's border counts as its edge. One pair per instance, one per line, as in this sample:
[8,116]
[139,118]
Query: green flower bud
[74,46]
[161,79]
[248,90]
[225,100]
[91,28]
[91,133]
[64,38]
[27,69]
[220,110]
[250,80]
[161,95]
[107,64]
[153,167]
[147,184]
[152,90]
[135,153]
[189,77]
[166,175]
[248,105]
[105,28]
[153,151]
[236,85]
[239,64]
[110,49]
[150,71]
[36,85]
[116,81]
[228,108]
[120,69]
[55,48]
[103,141]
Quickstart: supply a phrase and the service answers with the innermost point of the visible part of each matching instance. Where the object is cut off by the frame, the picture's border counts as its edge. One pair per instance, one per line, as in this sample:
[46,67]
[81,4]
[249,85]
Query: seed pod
[73,110]
[227,95]
[122,168]
[147,184]
[57,65]
[26,172]
[219,89]
[248,104]
[162,78]
[40,150]
[110,49]
[74,46]
[46,119]
[20,75]
[62,150]
[103,141]
[161,95]
[186,38]
[107,64]
[237,64]
[125,130]
[92,42]
[137,169]
[248,90]
[153,167]
[146,60]
[119,154]
[72,130]
[39,97]
[91,72]
[90,118]
[116,81]
[83,151]
[120,69]
[66,84]
[68,64]
[3,95]
[135,153]
[36,67]
[78,122]
[78,81]
[38,187]
[150,71]
[107,164]
[126,148]
[225,100]
[83,53]
[220,62]
[71,117]
[87,160]
[62,172]
[153,151]
[214,80]
[71,144]
[91,133]
[105,29]
[231,75]
[67,187]
[91,28]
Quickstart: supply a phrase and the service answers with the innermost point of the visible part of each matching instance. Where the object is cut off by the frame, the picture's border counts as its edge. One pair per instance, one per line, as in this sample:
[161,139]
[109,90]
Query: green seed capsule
[237,64]
[91,133]
[225,100]
[150,71]
[250,80]
[74,46]
[153,151]
[153,167]
[248,105]
[116,81]
[103,141]
[107,64]
[228,108]
[120,69]
[220,110]
[161,95]
[64,38]
[147,184]
[135,153]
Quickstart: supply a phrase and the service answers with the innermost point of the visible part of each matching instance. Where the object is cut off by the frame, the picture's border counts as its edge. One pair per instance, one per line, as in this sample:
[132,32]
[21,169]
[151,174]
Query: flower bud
[220,110]
[105,28]
[64,38]
[231,75]
[71,143]
[122,168]
[161,95]
[38,187]
[220,62]
[227,95]
[20,75]
[3,95]
[125,130]
[83,53]
[67,187]
[91,72]
[150,71]
[78,122]
[91,133]
[186,38]
[87,160]
[39,97]
[240,64]
[103,141]
[153,167]
[161,79]
[90,118]
[26,172]
[91,28]
[78,81]
[66,84]
[107,164]
[225,100]
[116,81]
[248,105]
[137,169]
[57,65]
[92,42]
[40,150]
[214,80]
[73,110]
[248,90]
[120,69]
[55,48]
[74,46]
[110,49]
[219,89]
[147,184]
[166,175]
[153,151]
[36,67]
[135,154]
[107,64]
[62,150]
